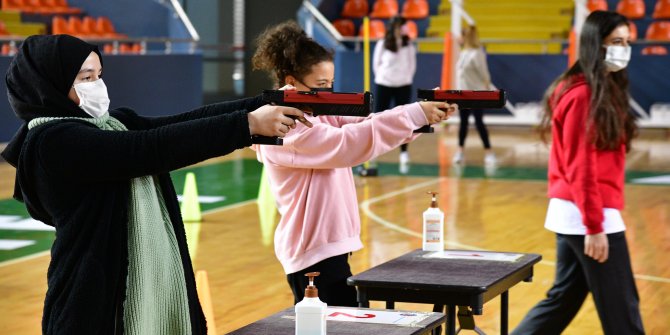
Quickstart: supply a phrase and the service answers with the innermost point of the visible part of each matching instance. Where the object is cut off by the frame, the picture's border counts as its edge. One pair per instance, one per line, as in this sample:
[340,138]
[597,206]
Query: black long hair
[390,42]
[610,121]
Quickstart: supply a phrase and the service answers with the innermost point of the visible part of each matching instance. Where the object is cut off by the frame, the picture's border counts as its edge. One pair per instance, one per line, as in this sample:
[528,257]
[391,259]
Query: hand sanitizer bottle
[433,227]
[310,313]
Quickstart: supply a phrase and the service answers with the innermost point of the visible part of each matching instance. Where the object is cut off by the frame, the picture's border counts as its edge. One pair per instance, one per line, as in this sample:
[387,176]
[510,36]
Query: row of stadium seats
[384,9]
[346,27]
[46,7]
[634,9]
[86,27]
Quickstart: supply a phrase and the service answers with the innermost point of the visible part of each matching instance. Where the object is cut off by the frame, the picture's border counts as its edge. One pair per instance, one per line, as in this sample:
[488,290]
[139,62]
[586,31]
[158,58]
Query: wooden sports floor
[498,209]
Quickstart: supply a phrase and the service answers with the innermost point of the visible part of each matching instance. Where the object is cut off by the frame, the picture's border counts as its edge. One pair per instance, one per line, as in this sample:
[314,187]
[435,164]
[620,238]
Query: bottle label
[432,233]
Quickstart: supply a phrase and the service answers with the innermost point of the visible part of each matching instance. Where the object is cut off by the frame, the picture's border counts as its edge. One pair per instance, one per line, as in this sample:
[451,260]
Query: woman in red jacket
[592,127]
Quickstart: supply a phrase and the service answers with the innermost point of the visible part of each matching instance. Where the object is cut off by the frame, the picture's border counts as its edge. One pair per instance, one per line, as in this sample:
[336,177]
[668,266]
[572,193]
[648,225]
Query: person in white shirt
[472,73]
[394,65]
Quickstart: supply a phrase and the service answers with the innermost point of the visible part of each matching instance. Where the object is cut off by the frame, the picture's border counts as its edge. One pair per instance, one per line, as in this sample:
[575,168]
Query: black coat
[76,177]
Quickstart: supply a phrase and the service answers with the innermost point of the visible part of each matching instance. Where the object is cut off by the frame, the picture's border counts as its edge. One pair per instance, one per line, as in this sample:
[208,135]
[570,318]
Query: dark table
[283,323]
[467,283]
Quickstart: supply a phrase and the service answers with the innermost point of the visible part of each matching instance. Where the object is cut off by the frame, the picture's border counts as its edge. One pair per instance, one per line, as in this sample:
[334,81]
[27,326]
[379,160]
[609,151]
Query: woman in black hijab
[119,263]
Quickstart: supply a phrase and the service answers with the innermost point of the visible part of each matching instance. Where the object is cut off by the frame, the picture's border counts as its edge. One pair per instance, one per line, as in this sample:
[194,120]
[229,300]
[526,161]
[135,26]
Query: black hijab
[38,81]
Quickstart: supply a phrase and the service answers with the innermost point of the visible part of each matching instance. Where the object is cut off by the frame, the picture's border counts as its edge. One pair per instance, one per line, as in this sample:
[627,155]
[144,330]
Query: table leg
[504,305]
[362,298]
[451,320]
[439,309]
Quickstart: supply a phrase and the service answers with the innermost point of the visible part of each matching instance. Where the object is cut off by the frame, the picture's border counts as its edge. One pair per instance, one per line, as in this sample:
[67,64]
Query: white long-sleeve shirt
[472,72]
[394,69]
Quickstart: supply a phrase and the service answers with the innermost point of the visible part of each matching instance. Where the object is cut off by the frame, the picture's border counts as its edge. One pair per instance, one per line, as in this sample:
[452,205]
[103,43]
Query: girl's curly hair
[285,50]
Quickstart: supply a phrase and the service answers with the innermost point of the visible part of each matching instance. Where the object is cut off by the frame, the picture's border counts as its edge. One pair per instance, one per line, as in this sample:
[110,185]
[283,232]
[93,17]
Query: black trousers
[398,95]
[479,123]
[611,284]
[331,283]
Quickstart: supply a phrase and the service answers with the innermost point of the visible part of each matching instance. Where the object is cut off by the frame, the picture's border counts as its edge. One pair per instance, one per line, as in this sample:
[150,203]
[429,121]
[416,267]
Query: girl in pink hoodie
[311,176]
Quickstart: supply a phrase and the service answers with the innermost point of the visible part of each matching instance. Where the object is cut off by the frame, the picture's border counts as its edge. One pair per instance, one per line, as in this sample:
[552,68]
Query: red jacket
[593,179]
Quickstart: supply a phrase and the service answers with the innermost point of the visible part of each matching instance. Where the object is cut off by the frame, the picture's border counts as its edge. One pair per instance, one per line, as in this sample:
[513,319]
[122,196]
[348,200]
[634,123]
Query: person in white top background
[394,65]
[472,73]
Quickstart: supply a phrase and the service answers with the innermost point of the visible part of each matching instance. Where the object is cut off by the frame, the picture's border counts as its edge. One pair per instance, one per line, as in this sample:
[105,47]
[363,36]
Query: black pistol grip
[267,140]
[425,129]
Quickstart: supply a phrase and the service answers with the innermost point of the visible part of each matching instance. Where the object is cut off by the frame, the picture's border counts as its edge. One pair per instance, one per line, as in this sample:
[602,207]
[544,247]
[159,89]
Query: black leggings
[400,96]
[611,284]
[331,283]
[479,122]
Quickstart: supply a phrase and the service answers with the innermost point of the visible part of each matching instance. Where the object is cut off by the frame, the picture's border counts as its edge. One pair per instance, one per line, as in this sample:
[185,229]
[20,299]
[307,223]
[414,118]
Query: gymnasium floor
[488,209]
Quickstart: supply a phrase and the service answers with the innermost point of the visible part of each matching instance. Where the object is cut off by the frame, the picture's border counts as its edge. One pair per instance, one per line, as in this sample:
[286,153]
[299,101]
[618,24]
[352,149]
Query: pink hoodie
[312,180]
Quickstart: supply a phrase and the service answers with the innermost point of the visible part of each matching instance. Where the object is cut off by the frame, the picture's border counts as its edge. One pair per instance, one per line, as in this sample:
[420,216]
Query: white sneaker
[490,159]
[404,162]
[459,158]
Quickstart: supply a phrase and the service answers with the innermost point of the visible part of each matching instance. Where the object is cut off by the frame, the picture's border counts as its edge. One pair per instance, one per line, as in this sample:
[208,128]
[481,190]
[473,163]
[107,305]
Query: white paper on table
[475,255]
[399,318]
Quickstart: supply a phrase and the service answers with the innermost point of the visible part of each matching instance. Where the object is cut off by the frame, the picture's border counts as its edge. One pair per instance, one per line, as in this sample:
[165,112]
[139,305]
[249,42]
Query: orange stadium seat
[633,30]
[655,50]
[415,9]
[345,27]
[105,27]
[632,9]
[384,9]
[658,31]
[662,9]
[594,5]
[125,48]
[75,26]
[59,26]
[377,29]
[411,29]
[90,28]
[355,8]
[108,48]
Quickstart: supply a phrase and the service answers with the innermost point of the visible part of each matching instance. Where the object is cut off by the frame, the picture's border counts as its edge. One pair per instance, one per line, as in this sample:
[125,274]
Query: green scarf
[156,299]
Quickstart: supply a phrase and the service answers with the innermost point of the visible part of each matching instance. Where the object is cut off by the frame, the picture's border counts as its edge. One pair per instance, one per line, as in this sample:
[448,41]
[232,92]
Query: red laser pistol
[317,103]
[465,99]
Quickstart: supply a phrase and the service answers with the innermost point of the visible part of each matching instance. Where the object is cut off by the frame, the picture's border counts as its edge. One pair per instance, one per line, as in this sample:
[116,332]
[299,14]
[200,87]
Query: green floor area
[238,180]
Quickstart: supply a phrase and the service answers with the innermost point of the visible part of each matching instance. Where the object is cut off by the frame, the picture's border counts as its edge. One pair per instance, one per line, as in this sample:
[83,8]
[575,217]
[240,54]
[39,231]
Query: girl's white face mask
[93,97]
[617,57]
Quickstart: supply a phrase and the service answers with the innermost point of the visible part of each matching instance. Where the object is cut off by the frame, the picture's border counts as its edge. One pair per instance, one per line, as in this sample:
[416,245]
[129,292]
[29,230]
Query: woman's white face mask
[93,98]
[617,57]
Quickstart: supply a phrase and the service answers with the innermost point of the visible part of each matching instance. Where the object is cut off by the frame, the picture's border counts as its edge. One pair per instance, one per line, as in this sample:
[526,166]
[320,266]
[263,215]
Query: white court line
[14,244]
[15,222]
[365,206]
[204,199]
[665,179]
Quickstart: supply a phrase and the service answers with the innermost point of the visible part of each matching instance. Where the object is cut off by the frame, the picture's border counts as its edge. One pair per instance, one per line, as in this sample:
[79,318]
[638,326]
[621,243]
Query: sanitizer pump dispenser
[433,227]
[310,313]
